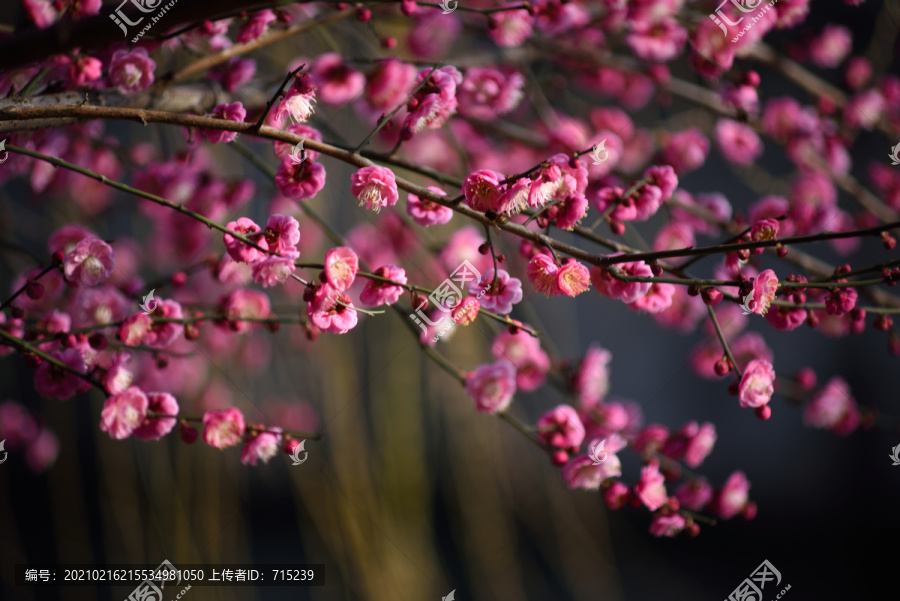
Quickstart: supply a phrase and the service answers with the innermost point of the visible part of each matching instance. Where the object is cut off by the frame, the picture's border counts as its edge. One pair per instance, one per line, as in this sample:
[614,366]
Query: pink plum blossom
[756,385]
[341,265]
[497,294]
[693,495]
[374,188]
[732,498]
[436,101]
[525,353]
[657,299]
[331,311]
[573,278]
[282,234]
[510,28]
[90,262]
[765,285]
[685,150]
[492,386]
[42,452]
[260,446]
[581,472]
[154,428]
[238,250]
[298,101]
[273,271]
[300,181]
[627,292]
[17,426]
[131,71]
[242,303]
[389,84]
[337,82]
[232,112]
[561,428]
[223,429]
[738,142]
[543,273]
[135,329]
[651,488]
[381,293]
[667,525]
[840,301]
[486,92]
[658,42]
[255,26]
[118,376]
[831,47]
[427,213]
[833,408]
[123,413]
[54,382]
[592,378]
[482,189]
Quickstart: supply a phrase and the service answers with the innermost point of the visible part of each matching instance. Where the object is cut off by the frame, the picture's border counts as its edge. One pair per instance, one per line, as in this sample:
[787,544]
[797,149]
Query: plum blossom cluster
[152,415]
[568,433]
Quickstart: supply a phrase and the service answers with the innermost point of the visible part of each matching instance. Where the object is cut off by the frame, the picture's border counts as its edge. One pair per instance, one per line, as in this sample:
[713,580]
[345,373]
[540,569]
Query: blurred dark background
[411,493]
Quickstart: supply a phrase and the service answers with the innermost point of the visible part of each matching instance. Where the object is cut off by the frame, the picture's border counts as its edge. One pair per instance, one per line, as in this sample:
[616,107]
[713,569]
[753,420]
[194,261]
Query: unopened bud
[883,323]
[764,412]
[187,433]
[34,290]
[711,296]
[97,341]
[812,320]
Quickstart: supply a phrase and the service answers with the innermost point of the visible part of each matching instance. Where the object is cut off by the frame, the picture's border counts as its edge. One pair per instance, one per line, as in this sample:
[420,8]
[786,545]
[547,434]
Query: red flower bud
[711,296]
[34,290]
[97,341]
[188,433]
